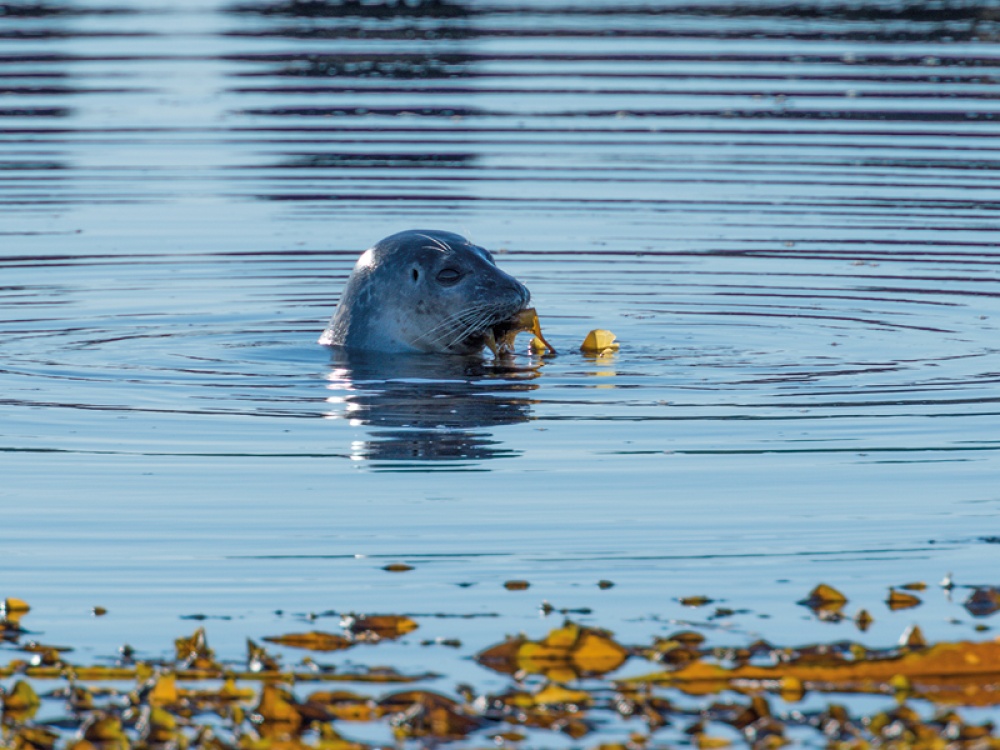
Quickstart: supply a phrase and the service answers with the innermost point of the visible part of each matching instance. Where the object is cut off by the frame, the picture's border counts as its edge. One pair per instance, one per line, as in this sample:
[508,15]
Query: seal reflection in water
[424,291]
[423,408]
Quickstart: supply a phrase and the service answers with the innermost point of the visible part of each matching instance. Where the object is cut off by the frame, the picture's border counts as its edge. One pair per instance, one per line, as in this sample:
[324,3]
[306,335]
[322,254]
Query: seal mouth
[490,334]
[479,325]
[500,336]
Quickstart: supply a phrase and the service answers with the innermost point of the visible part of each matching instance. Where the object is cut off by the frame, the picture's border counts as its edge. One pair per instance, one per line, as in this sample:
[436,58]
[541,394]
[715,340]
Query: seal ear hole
[416,274]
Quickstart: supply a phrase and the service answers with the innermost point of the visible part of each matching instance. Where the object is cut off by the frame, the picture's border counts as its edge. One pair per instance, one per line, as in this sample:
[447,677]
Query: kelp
[500,340]
[570,681]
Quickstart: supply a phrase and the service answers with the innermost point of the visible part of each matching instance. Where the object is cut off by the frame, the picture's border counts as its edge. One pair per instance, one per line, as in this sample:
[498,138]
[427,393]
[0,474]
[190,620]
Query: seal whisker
[436,242]
[480,318]
[467,316]
[456,326]
[447,323]
[464,324]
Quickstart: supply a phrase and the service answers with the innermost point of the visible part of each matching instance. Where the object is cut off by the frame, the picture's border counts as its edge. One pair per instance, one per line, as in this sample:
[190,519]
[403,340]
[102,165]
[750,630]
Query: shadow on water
[426,408]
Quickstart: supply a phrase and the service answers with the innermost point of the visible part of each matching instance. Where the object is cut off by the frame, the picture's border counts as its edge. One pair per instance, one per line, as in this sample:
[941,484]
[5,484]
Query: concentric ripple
[787,213]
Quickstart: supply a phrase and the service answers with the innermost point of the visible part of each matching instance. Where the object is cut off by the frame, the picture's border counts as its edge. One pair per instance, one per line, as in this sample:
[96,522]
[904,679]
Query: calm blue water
[787,214]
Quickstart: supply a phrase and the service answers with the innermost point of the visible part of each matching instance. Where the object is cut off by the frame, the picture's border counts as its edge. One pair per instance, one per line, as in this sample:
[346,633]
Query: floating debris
[824,597]
[314,641]
[912,638]
[398,568]
[565,654]
[600,342]
[863,620]
[983,601]
[569,682]
[12,606]
[377,627]
[901,600]
[695,601]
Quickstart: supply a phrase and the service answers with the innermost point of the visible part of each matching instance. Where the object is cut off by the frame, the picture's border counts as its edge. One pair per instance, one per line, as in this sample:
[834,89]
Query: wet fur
[394,301]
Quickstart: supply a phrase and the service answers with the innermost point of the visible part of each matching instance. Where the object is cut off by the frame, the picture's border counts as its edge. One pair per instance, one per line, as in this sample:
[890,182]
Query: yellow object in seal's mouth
[500,338]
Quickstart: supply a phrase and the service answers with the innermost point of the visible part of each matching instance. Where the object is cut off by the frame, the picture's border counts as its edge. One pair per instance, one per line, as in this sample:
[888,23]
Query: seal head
[424,291]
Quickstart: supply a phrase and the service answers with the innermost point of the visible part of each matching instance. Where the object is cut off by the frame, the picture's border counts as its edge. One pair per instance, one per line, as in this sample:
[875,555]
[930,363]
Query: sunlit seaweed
[562,683]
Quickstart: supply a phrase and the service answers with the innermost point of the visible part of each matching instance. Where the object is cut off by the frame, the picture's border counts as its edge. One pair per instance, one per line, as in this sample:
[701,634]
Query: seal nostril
[416,274]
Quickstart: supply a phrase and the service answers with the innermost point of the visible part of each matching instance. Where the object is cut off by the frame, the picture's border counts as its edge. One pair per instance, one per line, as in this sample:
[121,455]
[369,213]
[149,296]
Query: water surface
[787,213]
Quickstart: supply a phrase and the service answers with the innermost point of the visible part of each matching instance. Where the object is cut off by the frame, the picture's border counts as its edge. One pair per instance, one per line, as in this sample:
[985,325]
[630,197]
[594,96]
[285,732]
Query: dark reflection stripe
[851,62]
[631,135]
[856,450]
[823,11]
[624,135]
[35,9]
[33,112]
[67,90]
[983,91]
[456,9]
[972,69]
[424,9]
[666,35]
[775,114]
[56,35]
[871,34]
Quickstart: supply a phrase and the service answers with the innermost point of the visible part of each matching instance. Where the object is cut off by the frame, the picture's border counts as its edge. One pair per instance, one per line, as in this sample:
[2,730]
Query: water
[787,213]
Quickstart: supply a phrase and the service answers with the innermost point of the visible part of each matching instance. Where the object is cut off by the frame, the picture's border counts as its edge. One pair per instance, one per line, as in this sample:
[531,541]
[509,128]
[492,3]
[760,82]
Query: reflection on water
[429,408]
[409,10]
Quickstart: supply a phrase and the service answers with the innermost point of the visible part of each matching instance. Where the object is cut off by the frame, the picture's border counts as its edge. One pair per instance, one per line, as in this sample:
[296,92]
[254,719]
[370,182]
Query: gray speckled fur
[398,300]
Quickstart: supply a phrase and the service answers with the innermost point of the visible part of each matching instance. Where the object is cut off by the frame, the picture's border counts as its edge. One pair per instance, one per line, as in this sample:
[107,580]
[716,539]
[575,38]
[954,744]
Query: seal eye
[416,274]
[448,276]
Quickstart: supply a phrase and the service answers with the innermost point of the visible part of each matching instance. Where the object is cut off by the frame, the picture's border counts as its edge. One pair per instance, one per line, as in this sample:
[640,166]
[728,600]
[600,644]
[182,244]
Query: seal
[424,291]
